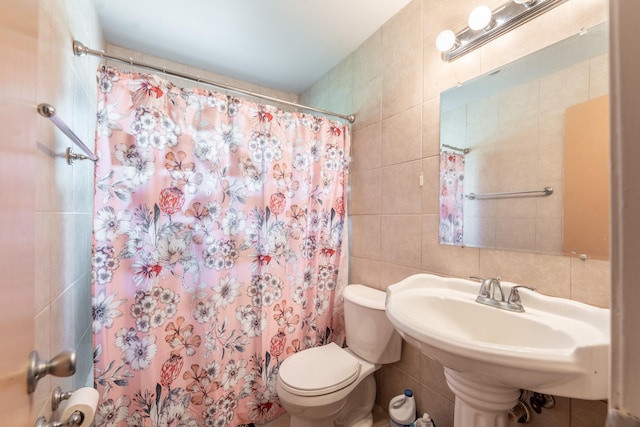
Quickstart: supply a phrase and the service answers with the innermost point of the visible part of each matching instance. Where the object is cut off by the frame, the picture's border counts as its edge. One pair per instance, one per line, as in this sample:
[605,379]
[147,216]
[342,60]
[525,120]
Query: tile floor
[380,419]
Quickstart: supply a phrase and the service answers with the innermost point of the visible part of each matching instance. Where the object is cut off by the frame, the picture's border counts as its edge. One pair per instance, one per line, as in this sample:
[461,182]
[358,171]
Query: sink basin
[557,346]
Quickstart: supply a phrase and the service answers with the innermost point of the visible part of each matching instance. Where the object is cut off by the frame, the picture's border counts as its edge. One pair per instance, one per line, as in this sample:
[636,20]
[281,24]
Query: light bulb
[480,18]
[446,40]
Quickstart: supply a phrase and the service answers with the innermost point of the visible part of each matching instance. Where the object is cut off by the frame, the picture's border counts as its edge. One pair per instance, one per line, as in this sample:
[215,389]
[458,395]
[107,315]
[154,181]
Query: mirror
[524,153]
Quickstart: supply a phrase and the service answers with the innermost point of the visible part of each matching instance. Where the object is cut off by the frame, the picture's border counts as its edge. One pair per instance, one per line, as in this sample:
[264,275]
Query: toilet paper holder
[74,420]
[79,410]
[58,396]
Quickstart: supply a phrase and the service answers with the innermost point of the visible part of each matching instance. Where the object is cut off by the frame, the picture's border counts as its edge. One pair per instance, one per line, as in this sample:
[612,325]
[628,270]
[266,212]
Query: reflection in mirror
[538,123]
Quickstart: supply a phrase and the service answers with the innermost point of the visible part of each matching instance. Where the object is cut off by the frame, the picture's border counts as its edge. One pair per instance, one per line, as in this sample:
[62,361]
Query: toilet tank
[369,332]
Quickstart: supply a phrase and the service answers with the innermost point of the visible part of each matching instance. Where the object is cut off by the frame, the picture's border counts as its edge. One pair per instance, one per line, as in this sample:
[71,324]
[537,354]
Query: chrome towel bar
[462,150]
[546,191]
[47,110]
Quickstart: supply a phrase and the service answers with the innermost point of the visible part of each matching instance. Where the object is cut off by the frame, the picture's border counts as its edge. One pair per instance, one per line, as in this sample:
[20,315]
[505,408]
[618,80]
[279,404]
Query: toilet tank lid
[365,296]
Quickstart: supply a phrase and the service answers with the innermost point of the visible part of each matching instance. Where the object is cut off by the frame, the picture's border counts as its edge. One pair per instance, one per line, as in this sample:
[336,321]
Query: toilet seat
[319,370]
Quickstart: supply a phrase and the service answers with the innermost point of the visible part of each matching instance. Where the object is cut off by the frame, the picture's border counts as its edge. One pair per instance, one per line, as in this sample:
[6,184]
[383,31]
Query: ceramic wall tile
[393,273]
[365,193]
[431,127]
[365,272]
[587,13]
[588,279]
[367,103]
[436,258]
[430,186]
[366,148]
[549,274]
[367,60]
[401,191]
[402,137]
[401,239]
[365,236]
[401,86]
[401,36]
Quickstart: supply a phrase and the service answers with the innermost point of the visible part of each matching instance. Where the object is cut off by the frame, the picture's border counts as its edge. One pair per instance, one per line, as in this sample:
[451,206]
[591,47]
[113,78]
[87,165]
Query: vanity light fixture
[446,40]
[485,25]
[480,19]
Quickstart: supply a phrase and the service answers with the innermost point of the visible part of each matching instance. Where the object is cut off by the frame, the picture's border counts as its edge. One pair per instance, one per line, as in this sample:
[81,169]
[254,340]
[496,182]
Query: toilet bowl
[332,386]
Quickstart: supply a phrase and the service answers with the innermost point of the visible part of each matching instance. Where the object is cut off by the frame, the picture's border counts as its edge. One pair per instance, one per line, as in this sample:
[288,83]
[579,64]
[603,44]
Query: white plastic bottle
[402,410]
[425,421]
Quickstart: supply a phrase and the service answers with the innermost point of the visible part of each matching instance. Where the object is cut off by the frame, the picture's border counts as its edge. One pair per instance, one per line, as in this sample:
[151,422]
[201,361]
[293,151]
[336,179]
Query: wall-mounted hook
[62,365]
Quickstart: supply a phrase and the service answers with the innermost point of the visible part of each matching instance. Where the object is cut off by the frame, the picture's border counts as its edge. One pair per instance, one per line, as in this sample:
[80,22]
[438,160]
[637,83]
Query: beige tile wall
[64,194]
[392,82]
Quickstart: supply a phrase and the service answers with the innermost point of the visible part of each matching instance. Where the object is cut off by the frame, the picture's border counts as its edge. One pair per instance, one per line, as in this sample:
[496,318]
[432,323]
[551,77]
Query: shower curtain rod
[80,49]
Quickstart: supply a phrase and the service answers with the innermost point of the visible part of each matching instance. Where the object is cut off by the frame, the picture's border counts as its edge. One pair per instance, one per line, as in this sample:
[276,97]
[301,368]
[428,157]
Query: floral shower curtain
[217,246]
[451,198]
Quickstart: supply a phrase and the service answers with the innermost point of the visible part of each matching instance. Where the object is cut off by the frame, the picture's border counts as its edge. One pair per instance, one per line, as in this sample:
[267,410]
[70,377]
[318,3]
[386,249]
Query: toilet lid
[318,370]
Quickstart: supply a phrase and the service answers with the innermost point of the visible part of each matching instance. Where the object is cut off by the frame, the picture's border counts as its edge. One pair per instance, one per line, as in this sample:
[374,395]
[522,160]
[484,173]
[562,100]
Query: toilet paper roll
[85,400]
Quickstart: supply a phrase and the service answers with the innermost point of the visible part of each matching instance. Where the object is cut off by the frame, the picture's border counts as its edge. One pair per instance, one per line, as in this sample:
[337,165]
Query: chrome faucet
[491,294]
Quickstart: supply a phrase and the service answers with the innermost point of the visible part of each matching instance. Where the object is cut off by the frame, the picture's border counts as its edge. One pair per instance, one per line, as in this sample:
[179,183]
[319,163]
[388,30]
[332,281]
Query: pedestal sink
[556,346]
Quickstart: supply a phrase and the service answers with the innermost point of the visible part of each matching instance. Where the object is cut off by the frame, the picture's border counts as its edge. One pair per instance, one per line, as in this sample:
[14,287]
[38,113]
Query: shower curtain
[451,198]
[218,236]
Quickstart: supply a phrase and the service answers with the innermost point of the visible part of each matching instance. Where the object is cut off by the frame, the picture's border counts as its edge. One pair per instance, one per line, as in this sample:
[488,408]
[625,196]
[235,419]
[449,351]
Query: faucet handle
[514,295]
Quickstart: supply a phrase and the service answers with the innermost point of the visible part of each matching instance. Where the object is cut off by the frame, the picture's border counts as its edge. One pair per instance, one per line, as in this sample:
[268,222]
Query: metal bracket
[58,396]
[74,420]
[72,157]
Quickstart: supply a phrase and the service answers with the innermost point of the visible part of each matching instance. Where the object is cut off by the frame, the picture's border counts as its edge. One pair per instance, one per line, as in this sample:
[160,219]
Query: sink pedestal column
[477,403]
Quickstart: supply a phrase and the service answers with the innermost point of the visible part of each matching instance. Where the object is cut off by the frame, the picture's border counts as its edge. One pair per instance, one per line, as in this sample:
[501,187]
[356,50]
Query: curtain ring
[131,61]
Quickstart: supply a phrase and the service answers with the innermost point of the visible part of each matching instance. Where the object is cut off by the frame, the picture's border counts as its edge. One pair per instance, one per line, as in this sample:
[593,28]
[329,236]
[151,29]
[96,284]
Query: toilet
[329,385]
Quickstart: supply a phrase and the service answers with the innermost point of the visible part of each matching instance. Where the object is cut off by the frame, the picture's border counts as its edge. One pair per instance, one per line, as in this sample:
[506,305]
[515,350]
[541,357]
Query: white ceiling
[280,44]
